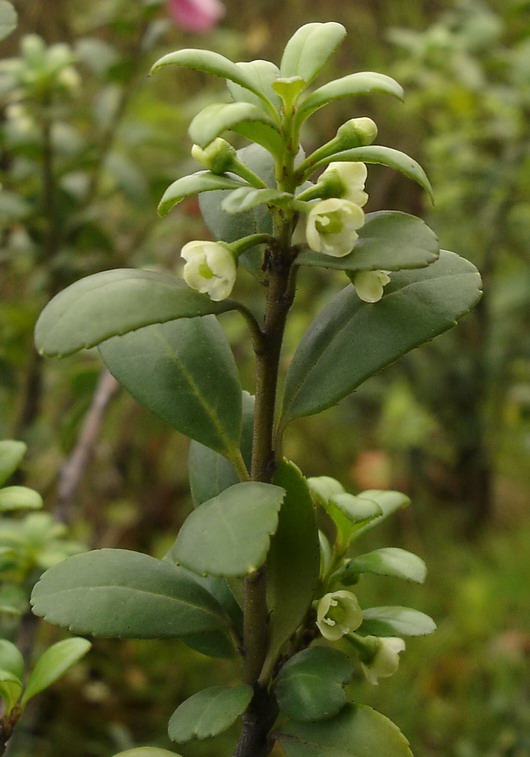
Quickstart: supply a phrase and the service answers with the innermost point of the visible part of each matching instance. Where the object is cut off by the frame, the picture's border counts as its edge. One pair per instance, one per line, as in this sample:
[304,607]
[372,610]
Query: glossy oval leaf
[262,73]
[350,340]
[388,561]
[357,731]
[208,713]
[8,19]
[19,498]
[211,473]
[217,118]
[11,659]
[388,241]
[293,561]
[184,372]
[113,303]
[361,83]
[229,535]
[11,455]
[194,184]
[147,751]
[385,156]
[310,48]
[392,621]
[116,593]
[53,664]
[311,684]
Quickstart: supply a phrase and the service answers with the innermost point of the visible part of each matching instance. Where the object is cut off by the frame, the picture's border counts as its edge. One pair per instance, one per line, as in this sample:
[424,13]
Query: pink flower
[196,15]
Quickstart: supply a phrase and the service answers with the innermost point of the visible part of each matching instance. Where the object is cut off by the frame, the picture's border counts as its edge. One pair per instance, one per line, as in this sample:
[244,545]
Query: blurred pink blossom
[196,15]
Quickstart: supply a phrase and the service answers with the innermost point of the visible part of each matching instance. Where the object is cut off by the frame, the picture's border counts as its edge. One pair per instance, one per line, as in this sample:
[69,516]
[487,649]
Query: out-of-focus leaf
[19,498]
[53,664]
[11,455]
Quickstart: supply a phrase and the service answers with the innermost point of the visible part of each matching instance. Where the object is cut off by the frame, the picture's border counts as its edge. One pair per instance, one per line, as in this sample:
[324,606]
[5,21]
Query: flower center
[205,271]
[331,223]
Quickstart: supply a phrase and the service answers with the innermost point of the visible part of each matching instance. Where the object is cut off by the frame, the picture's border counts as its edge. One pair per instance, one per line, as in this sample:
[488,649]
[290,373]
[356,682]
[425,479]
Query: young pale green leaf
[388,501]
[147,751]
[53,664]
[116,593]
[230,227]
[350,340]
[8,19]
[184,372]
[246,198]
[10,689]
[389,561]
[11,455]
[211,473]
[19,498]
[311,684]
[357,731]
[195,183]
[263,134]
[385,156]
[293,561]
[210,63]
[392,621]
[11,659]
[229,535]
[388,241]
[262,73]
[350,513]
[217,118]
[310,48]
[208,713]
[113,303]
[362,83]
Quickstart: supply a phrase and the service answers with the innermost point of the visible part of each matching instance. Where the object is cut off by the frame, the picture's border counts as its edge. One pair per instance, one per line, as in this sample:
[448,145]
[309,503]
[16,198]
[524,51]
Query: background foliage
[84,160]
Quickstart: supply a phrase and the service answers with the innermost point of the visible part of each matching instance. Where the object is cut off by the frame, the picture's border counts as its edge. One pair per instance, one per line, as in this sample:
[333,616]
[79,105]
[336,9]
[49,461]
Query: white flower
[211,268]
[332,226]
[338,613]
[385,662]
[369,285]
[352,176]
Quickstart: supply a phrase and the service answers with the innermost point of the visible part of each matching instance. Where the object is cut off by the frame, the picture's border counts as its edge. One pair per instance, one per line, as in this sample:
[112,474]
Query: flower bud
[332,226]
[370,285]
[218,156]
[385,661]
[349,179]
[357,132]
[338,613]
[210,268]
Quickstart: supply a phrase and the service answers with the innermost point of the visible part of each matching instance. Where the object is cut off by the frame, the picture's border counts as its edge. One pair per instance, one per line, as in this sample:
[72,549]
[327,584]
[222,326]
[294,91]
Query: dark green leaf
[361,83]
[310,48]
[211,473]
[195,183]
[208,713]
[118,593]
[11,455]
[392,621]
[351,340]
[229,535]
[184,372]
[389,561]
[311,684]
[53,664]
[389,241]
[113,303]
[294,558]
[358,731]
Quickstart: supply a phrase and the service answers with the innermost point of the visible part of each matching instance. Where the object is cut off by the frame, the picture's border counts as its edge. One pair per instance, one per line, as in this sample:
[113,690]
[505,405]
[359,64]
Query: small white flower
[332,226]
[352,177]
[210,268]
[338,613]
[370,285]
[385,662]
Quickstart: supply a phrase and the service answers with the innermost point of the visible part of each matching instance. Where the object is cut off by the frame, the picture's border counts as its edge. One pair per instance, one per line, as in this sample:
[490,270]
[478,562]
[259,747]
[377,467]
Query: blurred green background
[83,164]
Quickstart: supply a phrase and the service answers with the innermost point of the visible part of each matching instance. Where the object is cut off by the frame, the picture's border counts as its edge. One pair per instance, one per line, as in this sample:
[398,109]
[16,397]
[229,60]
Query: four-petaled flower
[352,177]
[332,226]
[385,661]
[338,613]
[210,267]
[196,15]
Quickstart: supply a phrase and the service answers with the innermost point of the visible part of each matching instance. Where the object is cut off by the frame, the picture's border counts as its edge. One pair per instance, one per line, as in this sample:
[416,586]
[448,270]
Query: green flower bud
[218,157]
[357,132]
